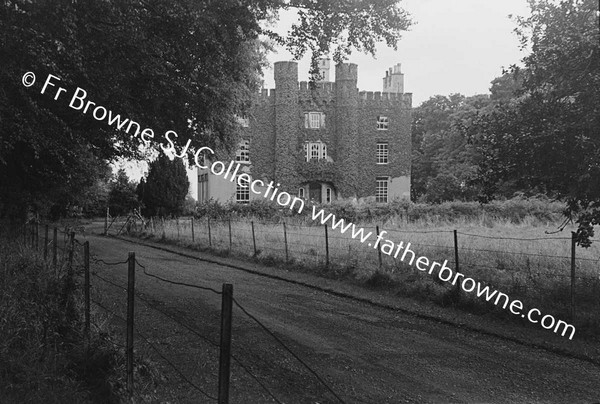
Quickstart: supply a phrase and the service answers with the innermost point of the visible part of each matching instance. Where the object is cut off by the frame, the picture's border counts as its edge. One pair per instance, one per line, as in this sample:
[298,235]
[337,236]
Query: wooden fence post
[326,246]
[106,222]
[253,238]
[71,250]
[86,289]
[379,247]
[229,223]
[46,243]
[55,248]
[573,265]
[456,267]
[130,316]
[225,345]
[193,236]
[287,258]
[209,235]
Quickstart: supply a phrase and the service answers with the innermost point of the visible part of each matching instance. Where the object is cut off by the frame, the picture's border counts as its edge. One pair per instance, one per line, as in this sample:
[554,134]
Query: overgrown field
[521,255]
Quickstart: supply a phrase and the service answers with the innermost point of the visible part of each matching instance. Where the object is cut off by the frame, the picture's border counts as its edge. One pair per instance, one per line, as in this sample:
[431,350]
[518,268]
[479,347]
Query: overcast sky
[456,46]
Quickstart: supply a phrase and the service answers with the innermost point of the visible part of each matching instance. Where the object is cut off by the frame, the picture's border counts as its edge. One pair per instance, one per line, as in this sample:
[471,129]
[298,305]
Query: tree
[189,66]
[165,188]
[122,198]
[548,137]
[440,149]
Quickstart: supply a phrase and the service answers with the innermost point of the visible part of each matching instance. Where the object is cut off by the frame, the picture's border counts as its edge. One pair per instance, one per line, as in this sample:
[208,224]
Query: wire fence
[551,272]
[78,260]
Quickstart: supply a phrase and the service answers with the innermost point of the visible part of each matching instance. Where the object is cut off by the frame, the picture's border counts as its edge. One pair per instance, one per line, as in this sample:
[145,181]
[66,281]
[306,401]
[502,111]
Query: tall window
[381,191]
[315,151]
[301,192]
[382,153]
[243,153]
[314,120]
[328,194]
[242,192]
[382,123]
[203,188]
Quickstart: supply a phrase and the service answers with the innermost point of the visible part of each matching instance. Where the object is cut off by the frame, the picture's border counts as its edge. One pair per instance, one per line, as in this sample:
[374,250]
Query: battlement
[321,86]
[378,96]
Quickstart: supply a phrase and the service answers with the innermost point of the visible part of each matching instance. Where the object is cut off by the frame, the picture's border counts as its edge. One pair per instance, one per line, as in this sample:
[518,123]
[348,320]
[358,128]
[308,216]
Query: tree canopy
[164,190]
[188,66]
[548,137]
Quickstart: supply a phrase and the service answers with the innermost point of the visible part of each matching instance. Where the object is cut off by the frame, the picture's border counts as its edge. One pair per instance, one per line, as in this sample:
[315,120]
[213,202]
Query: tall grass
[43,354]
[504,245]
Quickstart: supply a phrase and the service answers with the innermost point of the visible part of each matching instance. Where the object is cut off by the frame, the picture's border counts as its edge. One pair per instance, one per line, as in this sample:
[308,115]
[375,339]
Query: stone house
[324,141]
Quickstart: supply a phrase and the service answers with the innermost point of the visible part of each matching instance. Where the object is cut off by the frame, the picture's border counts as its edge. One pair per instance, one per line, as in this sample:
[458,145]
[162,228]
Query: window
[314,120]
[203,188]
[382,123]
[243,153]
[381,191]
[242,192]
[328,193]
[382,153]
[315,151]
[301,192]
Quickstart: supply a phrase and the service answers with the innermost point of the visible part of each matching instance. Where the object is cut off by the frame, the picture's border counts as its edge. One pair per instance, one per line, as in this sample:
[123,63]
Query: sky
[456,46]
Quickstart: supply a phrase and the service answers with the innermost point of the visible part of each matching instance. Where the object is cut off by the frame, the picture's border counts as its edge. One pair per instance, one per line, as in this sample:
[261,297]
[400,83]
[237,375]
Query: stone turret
[346,77]
[286,124]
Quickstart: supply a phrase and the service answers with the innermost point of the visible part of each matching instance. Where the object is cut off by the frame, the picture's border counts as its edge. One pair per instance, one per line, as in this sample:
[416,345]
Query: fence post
[326,246]
[152,224]
[457,290]
[106,222]
[46,243]
[287,258]
[130,312]
[209,235]
[86,289]
[225,345]
[456,268]
[193,236]
[164,235]
[378,247]
[55,247]
[71,250]
[253,238]
[573,244]
[229,223]
[177,223]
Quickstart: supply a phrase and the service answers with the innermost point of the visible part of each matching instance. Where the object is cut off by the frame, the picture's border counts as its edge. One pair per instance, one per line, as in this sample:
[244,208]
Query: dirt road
[365,353]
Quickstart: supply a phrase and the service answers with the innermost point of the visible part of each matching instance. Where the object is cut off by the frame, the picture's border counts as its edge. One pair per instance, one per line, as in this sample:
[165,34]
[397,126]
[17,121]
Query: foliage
[443,163]
[185,65]
[122,198]
[547,139]
[165,188]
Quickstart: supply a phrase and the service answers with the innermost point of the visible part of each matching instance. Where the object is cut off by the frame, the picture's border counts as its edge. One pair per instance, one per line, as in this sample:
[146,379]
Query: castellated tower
[346,93]
[286,124]
[393,82]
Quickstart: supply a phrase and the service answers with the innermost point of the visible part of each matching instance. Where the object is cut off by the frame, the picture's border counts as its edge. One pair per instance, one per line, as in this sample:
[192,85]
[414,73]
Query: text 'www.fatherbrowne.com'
[446,274]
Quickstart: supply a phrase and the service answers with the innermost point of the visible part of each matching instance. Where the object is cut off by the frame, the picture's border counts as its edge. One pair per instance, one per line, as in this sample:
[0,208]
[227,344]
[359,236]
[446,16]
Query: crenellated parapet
[381,98]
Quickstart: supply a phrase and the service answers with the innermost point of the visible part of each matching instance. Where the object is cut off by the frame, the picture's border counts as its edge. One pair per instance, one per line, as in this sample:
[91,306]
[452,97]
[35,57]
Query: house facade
[324,141]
